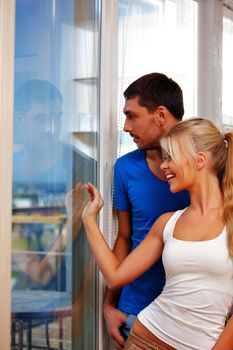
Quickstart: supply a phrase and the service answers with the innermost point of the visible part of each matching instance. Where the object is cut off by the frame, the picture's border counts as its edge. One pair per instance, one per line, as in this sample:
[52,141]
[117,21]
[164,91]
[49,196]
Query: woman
[196,245]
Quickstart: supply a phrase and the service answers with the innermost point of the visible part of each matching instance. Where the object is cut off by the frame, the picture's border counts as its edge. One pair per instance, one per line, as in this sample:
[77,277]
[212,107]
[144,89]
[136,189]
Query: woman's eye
[167,158]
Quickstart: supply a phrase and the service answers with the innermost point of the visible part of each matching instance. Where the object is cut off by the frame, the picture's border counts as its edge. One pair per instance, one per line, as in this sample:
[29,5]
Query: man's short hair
[40,91]
[156,89]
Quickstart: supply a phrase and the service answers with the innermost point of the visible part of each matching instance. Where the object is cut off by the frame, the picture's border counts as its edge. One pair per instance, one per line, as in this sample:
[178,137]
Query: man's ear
[200,160]
[161,115]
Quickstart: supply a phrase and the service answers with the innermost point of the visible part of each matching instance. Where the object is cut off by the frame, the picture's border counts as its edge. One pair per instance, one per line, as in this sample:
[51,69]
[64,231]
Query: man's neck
[52,150]
[154,154]
[154,160]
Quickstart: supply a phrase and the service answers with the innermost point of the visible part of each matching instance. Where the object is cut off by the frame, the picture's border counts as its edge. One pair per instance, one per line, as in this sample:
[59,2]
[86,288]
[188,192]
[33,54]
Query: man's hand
[114,319]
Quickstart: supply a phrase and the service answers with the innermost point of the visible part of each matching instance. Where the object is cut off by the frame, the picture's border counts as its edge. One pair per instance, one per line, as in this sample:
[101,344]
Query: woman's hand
[94,203]
[75,202]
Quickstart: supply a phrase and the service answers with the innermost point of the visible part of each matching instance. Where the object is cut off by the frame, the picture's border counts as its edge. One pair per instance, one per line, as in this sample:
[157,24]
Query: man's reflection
[44,171]
[38,112]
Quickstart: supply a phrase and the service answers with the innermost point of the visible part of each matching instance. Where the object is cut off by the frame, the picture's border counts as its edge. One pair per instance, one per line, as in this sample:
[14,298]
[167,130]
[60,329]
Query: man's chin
[147,147]
[150,147]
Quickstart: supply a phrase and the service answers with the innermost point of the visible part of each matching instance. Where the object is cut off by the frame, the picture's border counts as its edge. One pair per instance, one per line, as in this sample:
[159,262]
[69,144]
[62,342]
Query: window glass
[227,73]
[157,36]
[55,153]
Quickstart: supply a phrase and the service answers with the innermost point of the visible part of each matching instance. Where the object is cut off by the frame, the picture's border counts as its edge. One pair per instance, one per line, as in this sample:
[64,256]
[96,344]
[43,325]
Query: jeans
[127,325]
[138,342]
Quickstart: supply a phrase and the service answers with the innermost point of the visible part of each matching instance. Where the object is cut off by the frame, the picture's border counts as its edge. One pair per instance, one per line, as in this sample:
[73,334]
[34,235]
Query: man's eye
[130,117]
[40,118]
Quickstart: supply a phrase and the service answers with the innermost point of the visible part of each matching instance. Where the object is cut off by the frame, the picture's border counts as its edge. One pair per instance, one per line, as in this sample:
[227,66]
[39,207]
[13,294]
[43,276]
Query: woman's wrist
[89,220]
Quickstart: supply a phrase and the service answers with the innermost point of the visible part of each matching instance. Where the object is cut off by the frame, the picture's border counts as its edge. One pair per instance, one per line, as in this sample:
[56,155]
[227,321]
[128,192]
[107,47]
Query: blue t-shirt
[138,190]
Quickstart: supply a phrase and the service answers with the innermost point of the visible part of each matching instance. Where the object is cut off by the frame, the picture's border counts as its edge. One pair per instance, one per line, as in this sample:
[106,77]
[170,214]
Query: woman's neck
[206,195]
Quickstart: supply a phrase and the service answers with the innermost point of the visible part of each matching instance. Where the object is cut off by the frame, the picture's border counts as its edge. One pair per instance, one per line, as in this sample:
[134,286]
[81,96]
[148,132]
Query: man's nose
[127,127]
[49,126]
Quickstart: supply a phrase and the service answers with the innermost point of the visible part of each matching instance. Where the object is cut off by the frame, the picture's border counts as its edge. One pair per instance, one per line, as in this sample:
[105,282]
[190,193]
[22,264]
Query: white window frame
[7,23]
[228,13]
[107,130]
[209,87]
[209,105]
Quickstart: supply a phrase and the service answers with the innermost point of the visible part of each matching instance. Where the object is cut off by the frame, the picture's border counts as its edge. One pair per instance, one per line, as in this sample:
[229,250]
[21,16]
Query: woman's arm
[144,256]
[43,270]
[225,342]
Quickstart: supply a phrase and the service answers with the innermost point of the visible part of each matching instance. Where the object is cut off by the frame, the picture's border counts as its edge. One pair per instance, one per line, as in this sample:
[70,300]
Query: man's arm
[114,318]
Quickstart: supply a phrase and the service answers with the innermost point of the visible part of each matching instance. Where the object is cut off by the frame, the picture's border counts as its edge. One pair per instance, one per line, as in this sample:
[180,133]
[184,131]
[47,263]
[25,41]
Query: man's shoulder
[137,154]
[69,150]
[82,165]
[77,158]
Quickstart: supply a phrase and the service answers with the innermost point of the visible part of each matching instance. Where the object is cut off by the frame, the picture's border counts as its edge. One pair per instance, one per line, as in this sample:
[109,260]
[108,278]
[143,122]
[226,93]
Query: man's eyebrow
[127,111]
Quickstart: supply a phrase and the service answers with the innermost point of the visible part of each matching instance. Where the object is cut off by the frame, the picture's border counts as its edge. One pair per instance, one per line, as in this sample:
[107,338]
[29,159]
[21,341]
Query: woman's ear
[200,160]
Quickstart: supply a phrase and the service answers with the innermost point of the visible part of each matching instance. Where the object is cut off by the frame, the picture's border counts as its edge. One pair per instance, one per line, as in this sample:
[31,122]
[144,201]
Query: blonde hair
[187,138]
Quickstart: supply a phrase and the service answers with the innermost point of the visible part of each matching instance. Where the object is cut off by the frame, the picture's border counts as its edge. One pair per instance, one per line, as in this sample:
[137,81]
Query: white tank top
[191,311]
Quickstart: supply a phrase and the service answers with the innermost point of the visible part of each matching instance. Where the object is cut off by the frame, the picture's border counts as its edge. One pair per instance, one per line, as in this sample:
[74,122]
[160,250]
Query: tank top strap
[170,225]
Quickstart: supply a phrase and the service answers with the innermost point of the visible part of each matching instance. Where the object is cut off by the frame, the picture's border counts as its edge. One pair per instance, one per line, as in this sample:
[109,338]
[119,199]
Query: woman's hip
[141,338]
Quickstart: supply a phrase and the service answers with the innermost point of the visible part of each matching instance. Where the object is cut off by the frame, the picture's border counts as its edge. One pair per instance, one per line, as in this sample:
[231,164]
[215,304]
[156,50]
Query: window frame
[7,21]
[209,105]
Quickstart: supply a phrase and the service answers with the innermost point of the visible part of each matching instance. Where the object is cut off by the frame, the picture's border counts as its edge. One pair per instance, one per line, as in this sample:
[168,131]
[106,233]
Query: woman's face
[179,178]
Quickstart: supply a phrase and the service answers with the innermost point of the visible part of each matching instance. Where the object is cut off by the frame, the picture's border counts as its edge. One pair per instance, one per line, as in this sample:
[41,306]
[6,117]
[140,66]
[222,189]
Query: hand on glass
[75,202]
[94,204]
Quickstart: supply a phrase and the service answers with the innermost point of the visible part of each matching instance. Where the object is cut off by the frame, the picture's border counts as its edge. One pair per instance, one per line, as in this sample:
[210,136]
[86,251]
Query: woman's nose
[164,165]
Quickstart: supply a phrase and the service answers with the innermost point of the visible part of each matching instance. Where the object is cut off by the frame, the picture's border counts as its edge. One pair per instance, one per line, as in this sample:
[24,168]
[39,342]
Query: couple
[196,245]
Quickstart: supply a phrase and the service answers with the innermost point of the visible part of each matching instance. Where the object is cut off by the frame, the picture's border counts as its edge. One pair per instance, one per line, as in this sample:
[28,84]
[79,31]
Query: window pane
[227,73]
[55,152]
[157,36]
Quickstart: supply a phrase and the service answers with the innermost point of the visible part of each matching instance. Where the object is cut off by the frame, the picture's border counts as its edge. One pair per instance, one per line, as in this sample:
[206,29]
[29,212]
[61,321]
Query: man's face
[41,125]
[142,125]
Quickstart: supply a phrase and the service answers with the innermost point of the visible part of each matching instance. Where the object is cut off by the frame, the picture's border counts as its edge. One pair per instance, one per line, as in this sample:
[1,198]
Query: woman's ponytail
[227,188]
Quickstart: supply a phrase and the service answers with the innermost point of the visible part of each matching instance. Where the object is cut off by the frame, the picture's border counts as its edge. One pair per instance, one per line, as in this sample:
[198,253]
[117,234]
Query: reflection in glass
[53,276]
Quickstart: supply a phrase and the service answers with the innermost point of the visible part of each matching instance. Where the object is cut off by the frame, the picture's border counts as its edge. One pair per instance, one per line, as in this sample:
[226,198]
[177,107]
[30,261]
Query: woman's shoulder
[164,218]
[161,222]
[166,222]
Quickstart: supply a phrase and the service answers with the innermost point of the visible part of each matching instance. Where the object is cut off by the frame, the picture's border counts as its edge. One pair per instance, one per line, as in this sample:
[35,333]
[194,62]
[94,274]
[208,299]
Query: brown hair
[156,89]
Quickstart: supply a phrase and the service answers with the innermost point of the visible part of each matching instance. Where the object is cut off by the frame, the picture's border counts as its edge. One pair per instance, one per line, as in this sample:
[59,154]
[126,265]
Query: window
[227,73]
[157,36]
[55,152]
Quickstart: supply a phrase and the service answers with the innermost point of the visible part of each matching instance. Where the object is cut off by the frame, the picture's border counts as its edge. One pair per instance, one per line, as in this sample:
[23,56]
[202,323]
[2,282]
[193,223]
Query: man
[45,169]
[47,181]
[153,104]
